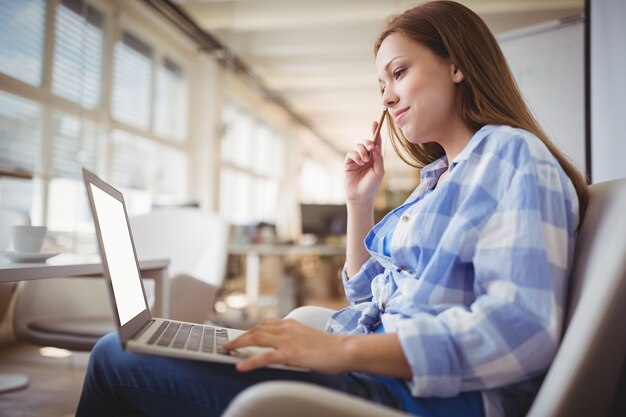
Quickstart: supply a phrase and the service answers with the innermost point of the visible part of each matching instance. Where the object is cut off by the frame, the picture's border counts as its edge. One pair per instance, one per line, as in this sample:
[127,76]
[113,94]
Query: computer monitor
[324,220]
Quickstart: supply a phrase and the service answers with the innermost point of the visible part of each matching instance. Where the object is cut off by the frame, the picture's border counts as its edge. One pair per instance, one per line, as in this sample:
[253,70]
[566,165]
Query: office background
[116,87]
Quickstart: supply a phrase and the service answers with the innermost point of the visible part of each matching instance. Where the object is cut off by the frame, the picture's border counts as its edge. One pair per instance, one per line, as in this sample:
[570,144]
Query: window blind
[132,77]
[236,203]
[77,143]
[170,177]
[77,63]
[171,102]
[238,137]
[140,164]
[22,28]
[20,133]
[250,181]
[265,197]
[263,151]
[134,161]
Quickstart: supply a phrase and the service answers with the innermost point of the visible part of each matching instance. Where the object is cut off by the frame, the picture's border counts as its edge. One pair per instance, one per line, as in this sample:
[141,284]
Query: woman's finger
[253,337]
[259,361]
[353,157]
[270,322]
[363,151]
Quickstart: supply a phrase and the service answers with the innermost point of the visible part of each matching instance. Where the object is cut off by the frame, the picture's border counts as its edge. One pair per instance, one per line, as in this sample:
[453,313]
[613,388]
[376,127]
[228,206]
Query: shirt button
[405,218]
[403,268]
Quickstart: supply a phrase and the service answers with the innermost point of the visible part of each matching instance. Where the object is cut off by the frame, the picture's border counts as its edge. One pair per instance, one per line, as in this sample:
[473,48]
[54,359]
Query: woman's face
[417,87]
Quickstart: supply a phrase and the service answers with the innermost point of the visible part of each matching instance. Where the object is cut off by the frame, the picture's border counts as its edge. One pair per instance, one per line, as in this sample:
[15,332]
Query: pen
[380,124]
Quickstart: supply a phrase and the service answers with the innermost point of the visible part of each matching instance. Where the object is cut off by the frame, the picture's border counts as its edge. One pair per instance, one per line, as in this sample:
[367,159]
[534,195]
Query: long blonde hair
[487,95]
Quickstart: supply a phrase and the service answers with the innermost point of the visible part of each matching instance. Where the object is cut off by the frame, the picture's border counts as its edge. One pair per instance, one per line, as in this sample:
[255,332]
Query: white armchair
[584,375]
[196,243]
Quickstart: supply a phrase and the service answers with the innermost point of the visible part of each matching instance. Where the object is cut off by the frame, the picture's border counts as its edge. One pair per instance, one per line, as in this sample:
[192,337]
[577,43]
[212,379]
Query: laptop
[138,330]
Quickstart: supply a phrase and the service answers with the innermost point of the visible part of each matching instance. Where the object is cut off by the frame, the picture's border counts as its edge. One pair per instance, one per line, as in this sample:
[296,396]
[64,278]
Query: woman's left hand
[294,344]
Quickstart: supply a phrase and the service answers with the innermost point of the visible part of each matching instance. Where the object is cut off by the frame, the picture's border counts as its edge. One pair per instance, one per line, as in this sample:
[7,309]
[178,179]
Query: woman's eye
[398,73]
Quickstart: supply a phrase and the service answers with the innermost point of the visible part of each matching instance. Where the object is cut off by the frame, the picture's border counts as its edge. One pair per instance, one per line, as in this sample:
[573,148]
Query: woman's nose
[389,98]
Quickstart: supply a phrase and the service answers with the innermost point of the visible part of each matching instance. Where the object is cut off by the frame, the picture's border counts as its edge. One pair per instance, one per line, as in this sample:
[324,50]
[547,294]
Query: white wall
[547,61]
[608,89]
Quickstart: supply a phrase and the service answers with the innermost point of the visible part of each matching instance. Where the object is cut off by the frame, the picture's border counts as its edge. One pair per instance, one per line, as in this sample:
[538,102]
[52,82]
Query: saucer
[28,257]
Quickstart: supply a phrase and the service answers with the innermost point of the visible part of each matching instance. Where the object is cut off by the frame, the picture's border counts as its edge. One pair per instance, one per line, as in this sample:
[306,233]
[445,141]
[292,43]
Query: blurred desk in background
[254,252]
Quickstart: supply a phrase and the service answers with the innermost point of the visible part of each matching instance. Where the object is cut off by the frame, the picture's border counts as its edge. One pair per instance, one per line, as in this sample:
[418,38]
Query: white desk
[254,252]
[67,265]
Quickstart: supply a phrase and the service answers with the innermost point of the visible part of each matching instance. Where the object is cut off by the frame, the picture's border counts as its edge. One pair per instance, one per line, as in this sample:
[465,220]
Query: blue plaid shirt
[472,275]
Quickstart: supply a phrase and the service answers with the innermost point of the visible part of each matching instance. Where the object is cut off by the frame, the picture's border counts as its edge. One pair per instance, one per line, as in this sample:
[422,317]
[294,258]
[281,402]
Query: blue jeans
[122,383]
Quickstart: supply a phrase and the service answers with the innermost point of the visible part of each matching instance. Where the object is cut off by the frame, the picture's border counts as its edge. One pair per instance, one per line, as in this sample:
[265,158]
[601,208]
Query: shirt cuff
[358,288]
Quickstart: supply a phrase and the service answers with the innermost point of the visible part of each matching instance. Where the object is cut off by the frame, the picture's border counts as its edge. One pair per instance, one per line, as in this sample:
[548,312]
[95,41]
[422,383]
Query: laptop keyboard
[192,337]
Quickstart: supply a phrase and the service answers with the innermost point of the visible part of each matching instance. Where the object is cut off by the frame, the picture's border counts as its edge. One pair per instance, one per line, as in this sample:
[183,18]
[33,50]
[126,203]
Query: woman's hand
[364,170]
[293,344]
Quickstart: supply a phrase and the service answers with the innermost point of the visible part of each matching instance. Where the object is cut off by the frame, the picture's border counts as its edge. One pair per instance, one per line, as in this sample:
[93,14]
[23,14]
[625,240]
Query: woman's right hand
[364,170]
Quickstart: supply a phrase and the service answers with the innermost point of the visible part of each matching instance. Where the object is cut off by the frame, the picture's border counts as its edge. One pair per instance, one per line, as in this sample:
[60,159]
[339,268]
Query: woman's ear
[456,74]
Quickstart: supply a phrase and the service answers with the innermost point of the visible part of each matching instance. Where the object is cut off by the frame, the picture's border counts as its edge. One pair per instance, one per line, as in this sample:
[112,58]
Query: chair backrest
[194,240]
[584,374]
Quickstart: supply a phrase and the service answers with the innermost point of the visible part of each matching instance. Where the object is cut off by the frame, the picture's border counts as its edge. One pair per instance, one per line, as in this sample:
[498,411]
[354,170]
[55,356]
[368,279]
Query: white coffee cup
[28,239]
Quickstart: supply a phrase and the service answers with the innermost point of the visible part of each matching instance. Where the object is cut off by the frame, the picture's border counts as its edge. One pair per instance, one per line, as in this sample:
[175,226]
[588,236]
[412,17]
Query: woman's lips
[398,113]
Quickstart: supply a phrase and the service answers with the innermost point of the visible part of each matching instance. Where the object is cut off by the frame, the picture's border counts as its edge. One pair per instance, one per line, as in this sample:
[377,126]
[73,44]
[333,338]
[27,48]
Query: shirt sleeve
[358,288]
[521,256]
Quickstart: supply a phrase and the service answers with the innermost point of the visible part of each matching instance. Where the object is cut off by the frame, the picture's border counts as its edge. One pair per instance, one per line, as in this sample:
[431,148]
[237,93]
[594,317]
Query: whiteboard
[608,90]
[547,61]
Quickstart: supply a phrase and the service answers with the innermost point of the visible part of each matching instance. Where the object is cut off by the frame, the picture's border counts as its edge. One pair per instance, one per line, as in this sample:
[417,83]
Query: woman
[457,295]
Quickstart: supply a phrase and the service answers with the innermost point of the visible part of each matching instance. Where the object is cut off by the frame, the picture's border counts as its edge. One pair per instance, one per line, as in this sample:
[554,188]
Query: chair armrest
[313,316]
[288,399]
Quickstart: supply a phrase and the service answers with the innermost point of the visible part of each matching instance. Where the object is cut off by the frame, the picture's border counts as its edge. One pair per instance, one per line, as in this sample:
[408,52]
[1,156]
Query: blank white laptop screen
[120,256]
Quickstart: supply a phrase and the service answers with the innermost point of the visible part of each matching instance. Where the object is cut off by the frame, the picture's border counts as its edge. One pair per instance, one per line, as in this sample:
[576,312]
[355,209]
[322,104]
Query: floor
[55,382]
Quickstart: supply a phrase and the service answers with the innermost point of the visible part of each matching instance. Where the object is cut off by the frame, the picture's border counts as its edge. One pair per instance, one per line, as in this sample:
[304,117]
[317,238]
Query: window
[77,62]
[77,143]
[317,185]
[170,110]
[235,196]
[237,142]
[162,171]
[20,133]
[171,176]
[22,28]
[313,181]
[20,141]
[252,169]
[128,151]
[56,129]
[132,79]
